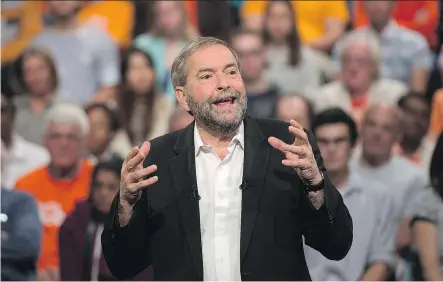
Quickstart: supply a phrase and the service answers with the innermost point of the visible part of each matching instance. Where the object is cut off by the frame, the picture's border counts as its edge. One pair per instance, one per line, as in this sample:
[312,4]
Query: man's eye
[232,72]
[206,76]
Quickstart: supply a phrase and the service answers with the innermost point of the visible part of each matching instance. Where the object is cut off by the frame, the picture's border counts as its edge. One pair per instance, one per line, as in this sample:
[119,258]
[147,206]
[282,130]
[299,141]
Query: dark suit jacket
[165,228]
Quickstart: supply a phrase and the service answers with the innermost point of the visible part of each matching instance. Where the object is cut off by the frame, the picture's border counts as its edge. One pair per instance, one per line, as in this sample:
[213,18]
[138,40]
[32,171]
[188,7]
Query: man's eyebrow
[213,70]
[205,70]
[230,65]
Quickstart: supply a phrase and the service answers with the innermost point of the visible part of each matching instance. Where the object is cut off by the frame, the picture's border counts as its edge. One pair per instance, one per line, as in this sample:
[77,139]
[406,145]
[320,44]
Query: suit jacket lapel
[255,164]
[184,182]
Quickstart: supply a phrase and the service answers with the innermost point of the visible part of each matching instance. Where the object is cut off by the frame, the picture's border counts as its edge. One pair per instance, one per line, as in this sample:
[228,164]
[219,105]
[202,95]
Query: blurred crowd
[82,82]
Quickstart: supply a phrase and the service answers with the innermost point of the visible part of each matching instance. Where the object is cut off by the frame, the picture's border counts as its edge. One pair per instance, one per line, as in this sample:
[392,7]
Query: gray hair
[361,37]
[179,72]
[67,113]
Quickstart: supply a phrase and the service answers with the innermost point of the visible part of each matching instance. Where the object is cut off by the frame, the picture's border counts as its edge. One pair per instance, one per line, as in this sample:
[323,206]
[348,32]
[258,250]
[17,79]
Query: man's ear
[180,93]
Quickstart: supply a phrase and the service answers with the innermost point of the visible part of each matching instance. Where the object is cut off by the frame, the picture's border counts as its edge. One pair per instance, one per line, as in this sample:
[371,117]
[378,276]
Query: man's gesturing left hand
[299,154]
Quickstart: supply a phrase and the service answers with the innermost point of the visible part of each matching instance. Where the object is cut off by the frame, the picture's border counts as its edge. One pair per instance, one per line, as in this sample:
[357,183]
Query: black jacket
[165,228]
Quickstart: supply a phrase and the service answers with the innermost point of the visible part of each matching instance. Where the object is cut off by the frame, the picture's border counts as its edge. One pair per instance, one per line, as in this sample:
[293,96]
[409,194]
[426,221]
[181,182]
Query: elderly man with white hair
[360,83]
[59,185]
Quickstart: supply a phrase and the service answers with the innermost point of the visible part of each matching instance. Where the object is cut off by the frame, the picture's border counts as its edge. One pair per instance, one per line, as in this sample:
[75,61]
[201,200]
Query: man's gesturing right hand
[133,180]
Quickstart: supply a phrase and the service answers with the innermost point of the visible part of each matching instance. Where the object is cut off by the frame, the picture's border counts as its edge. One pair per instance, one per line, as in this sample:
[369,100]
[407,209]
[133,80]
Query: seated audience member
[295,107]
[262,94]
[436,119]
[64,181]
[179,119]
[103,126]
[427,223]
[380,130]
[320,23]
[144,112]
[171,32]
[38,84]
[360,83]
[116,18]
[372,252]
[81,257]
[405,55]
[421,16]
[21,155]
[415,145]
[292,66]
[21,234]
[86,57]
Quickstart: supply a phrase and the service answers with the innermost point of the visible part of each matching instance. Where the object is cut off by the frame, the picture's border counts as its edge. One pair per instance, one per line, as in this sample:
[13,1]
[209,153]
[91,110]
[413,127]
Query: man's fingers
[131,154]
[297,150]
[296,124]
[277,144]
[300,163]
[145,148]
[140,174]
[132,164]
[135,187]
[300,135]
[286,148]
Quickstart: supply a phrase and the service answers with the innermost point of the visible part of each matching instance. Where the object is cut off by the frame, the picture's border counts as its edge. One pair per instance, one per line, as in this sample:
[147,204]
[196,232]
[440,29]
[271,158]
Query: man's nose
[222,82]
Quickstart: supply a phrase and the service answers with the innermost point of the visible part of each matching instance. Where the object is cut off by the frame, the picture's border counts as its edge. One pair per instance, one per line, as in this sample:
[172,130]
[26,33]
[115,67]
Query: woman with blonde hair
[170,33]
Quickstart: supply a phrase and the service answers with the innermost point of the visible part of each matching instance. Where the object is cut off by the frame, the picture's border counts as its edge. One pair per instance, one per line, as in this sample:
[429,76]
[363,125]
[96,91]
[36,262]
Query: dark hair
[112,116]
[292,39]
[336,115]
[34,52]
[412,95]
[126,96]
[113,164]
[10,106]
[436,167]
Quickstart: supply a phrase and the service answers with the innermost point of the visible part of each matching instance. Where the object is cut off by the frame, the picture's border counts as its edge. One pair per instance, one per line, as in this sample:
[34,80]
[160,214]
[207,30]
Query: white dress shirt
[220,207]
[22,158]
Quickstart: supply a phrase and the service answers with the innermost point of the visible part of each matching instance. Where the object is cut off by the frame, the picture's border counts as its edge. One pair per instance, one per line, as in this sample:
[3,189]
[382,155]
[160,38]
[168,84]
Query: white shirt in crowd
[218,184]
[22,158]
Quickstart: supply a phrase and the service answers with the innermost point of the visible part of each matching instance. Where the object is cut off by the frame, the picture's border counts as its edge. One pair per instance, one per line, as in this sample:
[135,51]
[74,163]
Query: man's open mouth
[225,101]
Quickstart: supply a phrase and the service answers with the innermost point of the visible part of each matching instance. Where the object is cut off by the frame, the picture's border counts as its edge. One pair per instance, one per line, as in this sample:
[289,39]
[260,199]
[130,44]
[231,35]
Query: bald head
[379,132]
[295,107]
[388,111]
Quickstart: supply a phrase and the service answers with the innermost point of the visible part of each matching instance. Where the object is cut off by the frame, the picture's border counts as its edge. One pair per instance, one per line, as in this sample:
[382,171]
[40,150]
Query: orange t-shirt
[55,199]
[358,108]
[405,14]
[310,15]
[436,122]
[114,17]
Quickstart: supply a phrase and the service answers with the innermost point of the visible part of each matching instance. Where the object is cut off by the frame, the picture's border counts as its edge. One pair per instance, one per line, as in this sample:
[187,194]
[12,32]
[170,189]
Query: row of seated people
[385,193]
[297,45]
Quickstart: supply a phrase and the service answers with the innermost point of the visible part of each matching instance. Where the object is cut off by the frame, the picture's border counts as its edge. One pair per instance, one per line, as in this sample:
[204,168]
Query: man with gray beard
[229,197]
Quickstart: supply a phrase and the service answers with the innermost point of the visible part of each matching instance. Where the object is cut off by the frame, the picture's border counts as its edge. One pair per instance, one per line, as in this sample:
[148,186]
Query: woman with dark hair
[144,113]
[170,32]
[427,222]
[80,252]
[292,66]
[37,83]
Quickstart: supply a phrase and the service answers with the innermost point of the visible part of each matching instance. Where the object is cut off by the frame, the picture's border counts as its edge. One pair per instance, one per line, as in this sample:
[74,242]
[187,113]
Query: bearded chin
[213,120]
